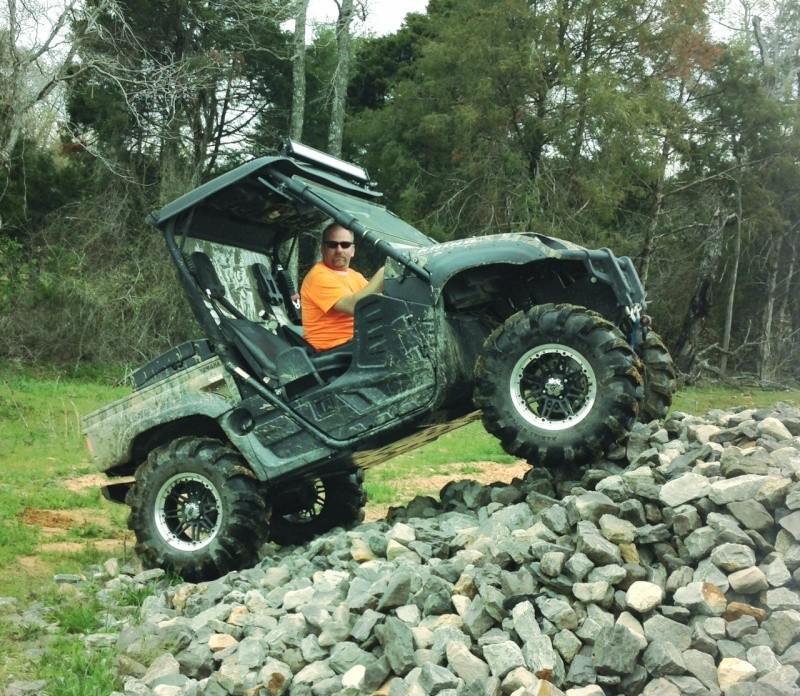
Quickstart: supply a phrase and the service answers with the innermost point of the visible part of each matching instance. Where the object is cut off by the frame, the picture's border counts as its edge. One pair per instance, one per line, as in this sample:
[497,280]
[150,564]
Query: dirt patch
[85,483]
[56,523]
[60,521]
[110,546]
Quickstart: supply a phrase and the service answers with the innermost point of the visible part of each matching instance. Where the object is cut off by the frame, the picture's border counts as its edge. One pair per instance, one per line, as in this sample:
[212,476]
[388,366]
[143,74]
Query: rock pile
[673,571]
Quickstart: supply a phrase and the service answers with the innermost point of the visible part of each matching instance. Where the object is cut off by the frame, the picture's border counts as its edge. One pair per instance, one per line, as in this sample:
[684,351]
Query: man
[331,290]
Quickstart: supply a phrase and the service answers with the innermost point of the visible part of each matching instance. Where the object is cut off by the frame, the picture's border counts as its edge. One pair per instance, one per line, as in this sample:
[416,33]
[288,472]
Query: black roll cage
[224,347]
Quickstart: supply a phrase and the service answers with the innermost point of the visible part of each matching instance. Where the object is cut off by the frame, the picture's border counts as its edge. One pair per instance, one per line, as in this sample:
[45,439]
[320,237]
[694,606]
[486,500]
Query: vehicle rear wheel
[317,506]
[557,385]
[659,377]
[197,510]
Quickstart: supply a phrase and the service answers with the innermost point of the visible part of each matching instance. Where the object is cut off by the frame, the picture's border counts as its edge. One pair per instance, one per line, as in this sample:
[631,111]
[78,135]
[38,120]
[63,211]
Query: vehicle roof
[243,208]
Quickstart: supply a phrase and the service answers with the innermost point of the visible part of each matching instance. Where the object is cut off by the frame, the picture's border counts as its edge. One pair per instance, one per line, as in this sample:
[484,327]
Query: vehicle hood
[448,258]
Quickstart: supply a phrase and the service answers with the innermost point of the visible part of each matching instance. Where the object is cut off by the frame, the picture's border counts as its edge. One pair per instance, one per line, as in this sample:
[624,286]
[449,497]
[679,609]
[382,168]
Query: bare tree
[342,76]
[737,255]
[700,305]
[299,71]
[188,97]
[37,55]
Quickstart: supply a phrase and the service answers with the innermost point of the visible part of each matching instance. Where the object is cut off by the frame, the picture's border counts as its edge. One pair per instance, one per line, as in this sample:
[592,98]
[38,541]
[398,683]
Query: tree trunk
[766,360]
[299,71]
[648,244]
[793,310]
[700,305]
[341,77]
[737,253]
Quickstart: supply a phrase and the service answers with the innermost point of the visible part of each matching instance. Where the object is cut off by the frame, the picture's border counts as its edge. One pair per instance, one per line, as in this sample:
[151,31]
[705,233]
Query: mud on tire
[557,385]
[316,507]
[659,377]
[196,510]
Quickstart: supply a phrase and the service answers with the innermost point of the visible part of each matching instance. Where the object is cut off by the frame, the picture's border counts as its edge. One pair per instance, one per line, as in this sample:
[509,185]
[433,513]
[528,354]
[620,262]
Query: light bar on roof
[323,159]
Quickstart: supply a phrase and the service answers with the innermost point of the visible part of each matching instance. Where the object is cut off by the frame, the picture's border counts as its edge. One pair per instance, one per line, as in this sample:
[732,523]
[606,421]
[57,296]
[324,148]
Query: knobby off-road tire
[197,510]
[558,385]
[317,507]
[659,377]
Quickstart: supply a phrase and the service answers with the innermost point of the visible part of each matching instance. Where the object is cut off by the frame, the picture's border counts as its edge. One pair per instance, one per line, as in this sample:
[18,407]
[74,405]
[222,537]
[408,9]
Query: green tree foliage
[40,181]
[621,124]
[745,161]
[516,114]
[93,284]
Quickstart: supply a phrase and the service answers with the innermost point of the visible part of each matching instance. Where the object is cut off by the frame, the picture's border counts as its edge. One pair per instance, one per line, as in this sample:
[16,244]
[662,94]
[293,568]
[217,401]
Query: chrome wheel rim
[553,387]
[188,512]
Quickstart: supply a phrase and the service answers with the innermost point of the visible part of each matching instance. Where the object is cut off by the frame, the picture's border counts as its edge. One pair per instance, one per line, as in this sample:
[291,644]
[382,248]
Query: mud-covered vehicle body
[247,434]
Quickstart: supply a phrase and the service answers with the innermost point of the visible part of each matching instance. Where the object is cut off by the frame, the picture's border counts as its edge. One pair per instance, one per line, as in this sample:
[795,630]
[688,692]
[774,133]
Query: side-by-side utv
[247,434]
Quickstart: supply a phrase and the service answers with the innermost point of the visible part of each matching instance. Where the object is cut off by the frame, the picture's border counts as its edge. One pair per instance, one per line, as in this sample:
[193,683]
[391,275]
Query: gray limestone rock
[464,664]
[616,651]
[513,589]
[658,627]
[748,580]
[685,488]
[596,622]
[578,566]
[567,644]
[791,523]
[599,550]
[503,657]
[478,620]
[581,670]
[552,563]
[523,616]
[398,645]
[434,679]
[745,625]
[542,659]
[558,612]
[752,514]
[347,655]
[732,557]
[782,598]
[592,506]
[700,542]
[703,598]
[763,659]
[662,658]
[661,687]
[738,488]
[701,665]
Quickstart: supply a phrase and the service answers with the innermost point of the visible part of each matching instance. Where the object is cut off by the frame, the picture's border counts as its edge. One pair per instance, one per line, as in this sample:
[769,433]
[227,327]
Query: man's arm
[347,305]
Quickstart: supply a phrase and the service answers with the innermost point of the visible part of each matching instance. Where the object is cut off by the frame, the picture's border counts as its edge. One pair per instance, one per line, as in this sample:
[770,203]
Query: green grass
[43,449]
[79,672]
[701,400]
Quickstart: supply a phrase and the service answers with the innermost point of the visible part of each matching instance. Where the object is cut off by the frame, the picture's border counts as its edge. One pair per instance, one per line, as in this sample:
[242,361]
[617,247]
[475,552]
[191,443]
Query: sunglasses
[333,245]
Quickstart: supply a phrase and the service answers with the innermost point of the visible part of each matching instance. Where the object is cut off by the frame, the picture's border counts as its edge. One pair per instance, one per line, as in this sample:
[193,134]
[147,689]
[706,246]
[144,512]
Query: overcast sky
[385,16]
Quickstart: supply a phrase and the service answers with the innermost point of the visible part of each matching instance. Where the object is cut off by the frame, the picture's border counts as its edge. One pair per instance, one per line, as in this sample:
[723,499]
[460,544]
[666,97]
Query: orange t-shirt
[323,326]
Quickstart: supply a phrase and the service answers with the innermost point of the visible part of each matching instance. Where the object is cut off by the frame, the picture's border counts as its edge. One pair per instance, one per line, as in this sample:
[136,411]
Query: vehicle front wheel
[558,385]
[317,506]
[197,510]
